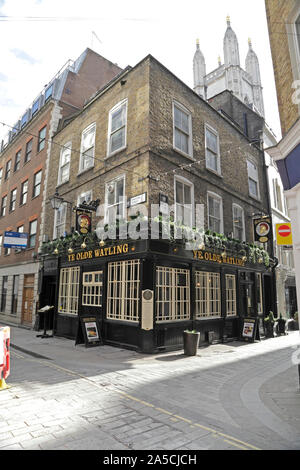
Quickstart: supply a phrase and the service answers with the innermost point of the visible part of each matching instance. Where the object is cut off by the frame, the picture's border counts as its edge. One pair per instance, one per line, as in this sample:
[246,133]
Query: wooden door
[27,304]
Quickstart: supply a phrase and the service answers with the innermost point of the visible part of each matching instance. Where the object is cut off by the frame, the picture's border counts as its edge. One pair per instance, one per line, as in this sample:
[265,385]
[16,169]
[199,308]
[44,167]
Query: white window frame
[259,281]
[92,289]
[177,297]
[208,305]
[32,223]
[219,198]
[123,291]
[122,203]
[69,290]
[83,197]
[185,182]
[64,208]
[236,206]
[87,130]
[231,306]
[67,147]
[218,158]
[294,41]
[123,103]
[254,178]
[190,134]
[278,195]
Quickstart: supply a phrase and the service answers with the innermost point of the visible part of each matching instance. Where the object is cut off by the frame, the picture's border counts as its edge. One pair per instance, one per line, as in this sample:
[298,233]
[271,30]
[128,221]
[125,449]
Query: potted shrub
[269,325]
[281,326]
[190,342]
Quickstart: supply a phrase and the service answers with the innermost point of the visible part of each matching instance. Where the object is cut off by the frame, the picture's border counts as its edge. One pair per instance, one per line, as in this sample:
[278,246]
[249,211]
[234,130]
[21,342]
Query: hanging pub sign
[88,331]
[249,329]
[262,229]
[83,222]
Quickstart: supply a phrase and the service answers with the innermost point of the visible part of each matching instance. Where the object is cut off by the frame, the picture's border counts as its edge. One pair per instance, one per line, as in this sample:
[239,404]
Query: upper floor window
[24,192]
[85,197]
[3,206]
[37,184]
[32,233]
[253,180]
[60,221]
[87,151]
[182,129]
[64,164]
[17,160]
[42,139]
[7,169]
[212,151]
[1,175]
[28,151]
[117,127]
[277,195]
[215,213]
[238,222]
[48,92]
[298,31]
[13,198]
[115,200]
[183,202]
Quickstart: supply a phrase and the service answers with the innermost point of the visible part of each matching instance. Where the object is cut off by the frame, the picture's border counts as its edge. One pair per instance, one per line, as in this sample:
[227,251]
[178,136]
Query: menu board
[249,329]
[88,331]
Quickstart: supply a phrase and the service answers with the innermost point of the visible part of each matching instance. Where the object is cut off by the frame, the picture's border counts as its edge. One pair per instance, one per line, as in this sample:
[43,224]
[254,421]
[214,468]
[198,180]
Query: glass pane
[253,187]
[118,118]
[179,192]
[120,189]
[211,141]
[117,140]
[187,194]
[88,139]
[211,160]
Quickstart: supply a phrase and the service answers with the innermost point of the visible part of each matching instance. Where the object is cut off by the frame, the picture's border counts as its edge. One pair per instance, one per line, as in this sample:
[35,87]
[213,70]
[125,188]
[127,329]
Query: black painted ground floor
[145,293]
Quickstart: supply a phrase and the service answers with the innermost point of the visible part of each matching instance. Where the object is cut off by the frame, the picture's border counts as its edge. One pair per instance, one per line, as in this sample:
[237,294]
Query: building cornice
[287,144]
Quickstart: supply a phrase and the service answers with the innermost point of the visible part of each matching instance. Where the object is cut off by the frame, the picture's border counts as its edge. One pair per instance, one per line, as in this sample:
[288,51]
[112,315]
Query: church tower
[232,61]
[252,68]
[199,72]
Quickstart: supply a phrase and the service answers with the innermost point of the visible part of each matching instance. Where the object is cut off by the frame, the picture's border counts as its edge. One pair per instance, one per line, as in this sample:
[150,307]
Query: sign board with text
[284,234]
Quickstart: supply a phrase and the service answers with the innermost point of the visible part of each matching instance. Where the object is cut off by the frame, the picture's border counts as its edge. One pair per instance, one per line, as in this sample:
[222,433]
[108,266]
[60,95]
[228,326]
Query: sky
[33,51]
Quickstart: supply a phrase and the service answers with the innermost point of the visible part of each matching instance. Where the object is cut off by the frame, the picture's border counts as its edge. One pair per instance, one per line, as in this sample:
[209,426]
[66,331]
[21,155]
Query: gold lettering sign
[207,256]
[99,252]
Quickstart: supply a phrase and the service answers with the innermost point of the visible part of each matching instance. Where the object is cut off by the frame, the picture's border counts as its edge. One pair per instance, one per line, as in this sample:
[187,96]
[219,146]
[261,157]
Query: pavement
[235,396]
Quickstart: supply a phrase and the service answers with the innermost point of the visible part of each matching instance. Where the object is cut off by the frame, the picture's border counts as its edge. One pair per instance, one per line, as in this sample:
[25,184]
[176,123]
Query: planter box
[190,343]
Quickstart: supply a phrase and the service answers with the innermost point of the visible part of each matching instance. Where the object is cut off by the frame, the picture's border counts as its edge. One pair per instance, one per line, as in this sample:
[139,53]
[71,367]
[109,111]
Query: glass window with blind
[215,213]
[17,160]
[64,163]
[37,181]
[253,180]
[230,295]
[28,151]
[13,198]
[238,222]
[117,127]
[3,206]
[172,294]
[69,290]
[208,295]
[92,285]
[87,151]
[60,221]
[212,152]
[115,200]
[183,202]
[24,192]
[32,233]
[42,139]
[123,286]
[182,129]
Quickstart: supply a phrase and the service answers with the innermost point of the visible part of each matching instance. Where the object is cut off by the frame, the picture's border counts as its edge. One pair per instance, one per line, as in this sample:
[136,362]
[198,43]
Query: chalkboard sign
[249,330]
[88,331]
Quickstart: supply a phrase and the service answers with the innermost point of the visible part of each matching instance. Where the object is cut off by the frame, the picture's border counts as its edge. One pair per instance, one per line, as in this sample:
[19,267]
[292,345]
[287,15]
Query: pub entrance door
[247,295]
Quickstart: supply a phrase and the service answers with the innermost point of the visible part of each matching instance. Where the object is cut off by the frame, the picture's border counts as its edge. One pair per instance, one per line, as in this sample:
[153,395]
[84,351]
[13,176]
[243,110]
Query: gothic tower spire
[199,72]
[252,68]
[231,46]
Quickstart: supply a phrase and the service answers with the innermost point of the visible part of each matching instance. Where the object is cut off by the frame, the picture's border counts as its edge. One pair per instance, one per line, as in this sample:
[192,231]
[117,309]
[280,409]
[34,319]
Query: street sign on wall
[284,234]
[15,240]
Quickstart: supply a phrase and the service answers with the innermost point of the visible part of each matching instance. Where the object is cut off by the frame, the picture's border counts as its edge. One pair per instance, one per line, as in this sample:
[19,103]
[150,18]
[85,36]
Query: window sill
[186,155]
[34,197]
[115,152]
[258,199]
[81,172]
[64,182]
[214,172]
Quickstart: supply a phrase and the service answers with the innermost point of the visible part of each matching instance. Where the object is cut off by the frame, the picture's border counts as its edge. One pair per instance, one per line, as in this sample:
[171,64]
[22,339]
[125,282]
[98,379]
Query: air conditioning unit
[147,310]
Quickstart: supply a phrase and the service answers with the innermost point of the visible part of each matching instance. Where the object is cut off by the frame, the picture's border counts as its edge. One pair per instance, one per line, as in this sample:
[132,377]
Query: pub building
[150,139]
[145,293]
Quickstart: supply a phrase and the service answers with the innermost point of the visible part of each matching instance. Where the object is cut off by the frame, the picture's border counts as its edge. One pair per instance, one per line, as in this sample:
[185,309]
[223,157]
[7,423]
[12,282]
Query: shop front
[145,293]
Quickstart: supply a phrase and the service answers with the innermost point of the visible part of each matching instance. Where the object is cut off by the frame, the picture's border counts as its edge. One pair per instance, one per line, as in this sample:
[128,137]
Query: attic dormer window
[48,92]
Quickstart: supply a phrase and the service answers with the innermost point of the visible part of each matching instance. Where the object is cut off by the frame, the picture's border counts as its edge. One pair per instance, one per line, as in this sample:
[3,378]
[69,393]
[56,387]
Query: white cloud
[128,32]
